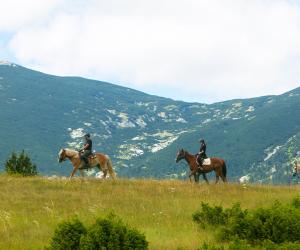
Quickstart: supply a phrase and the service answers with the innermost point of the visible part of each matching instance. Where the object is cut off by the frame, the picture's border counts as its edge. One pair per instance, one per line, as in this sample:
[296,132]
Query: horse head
[62,155]
[180,155]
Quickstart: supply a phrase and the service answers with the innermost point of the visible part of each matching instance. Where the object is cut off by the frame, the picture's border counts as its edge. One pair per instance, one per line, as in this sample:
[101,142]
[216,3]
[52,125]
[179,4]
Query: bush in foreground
[243,245]
[279,223]
[109,234]
[20,164]
[67,235]
[217,215]
[276,227]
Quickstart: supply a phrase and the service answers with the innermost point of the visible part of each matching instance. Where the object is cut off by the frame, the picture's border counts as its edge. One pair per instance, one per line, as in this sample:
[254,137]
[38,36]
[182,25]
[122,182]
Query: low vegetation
[264,227]
[32,208]
[108,233]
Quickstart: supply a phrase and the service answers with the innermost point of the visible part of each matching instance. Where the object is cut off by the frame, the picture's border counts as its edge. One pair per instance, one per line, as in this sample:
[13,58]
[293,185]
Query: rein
[184,155]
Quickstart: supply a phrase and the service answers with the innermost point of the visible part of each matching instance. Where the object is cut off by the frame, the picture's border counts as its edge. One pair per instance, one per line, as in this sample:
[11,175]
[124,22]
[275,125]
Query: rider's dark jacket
[87,151]
[202,150]
[90,144]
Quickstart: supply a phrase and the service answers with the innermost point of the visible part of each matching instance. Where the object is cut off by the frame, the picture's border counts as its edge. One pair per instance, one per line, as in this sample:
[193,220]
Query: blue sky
[193,50]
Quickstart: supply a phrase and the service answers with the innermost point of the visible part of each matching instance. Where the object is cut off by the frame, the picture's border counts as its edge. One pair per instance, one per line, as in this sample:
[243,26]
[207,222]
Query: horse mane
[71,151]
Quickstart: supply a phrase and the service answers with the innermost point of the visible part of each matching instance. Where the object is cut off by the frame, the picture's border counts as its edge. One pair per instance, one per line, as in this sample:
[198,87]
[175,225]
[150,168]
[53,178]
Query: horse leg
[81,173]
[217,178]
[104,171]
[223,178]
[104,174]
[73,172]
[196,177]
[190,175]
[205,178]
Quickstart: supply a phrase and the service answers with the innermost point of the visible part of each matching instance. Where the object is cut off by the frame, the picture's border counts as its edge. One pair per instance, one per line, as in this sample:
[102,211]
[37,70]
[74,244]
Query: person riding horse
[86,150]
[201,155]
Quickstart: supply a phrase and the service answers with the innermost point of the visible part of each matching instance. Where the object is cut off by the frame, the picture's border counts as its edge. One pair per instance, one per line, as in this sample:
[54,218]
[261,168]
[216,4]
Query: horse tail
[224,169]
[110,168]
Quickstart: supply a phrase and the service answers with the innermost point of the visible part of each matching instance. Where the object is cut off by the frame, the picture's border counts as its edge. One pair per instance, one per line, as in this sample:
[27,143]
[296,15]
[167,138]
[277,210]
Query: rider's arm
[84,147]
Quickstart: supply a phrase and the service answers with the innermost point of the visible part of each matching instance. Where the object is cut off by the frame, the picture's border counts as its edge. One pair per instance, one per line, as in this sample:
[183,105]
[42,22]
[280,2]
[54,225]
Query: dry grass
[30,208]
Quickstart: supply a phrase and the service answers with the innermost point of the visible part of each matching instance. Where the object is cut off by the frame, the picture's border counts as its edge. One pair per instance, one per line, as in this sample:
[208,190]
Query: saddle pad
[206,161]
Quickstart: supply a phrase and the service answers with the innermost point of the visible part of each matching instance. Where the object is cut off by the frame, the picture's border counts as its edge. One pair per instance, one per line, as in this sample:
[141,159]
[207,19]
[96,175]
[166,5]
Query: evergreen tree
[20,165]
[11,164]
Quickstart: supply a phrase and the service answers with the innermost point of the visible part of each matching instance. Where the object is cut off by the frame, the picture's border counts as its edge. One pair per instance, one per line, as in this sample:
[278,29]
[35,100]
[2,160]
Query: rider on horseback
[87,150]
[201,155]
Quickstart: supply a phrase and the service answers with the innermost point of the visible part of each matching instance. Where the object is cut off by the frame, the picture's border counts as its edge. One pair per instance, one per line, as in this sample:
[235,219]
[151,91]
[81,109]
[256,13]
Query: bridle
[181,156]
[64,158]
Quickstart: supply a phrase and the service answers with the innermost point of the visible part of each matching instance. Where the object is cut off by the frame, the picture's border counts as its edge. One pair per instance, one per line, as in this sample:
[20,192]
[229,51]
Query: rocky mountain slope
[42,113]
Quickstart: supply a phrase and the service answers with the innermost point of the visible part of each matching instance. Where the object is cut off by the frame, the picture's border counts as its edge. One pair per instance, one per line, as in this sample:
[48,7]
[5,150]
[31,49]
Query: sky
[193,50]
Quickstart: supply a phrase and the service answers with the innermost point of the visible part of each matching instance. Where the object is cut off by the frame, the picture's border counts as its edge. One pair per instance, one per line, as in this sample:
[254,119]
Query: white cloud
[192,50]
[15,14]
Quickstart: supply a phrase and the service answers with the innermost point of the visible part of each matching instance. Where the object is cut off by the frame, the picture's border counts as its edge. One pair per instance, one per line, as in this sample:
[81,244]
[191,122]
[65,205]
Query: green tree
[20,164]
[67,235]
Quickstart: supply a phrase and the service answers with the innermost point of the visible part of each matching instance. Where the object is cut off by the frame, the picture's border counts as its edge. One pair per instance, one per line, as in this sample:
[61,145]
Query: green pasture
[30,208]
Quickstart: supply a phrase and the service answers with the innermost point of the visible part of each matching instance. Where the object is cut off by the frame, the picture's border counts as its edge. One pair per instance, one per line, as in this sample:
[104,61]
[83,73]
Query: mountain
[40,113]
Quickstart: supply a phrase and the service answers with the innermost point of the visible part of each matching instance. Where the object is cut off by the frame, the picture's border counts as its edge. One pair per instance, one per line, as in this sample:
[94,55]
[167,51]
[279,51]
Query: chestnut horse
[217,164]
[102,161]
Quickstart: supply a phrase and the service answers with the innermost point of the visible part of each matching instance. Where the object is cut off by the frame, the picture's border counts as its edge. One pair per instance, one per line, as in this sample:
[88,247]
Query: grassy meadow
[30,208]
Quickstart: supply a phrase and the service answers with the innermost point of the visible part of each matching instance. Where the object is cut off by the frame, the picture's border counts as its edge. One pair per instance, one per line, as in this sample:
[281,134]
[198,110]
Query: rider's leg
[84,158]
[199,161]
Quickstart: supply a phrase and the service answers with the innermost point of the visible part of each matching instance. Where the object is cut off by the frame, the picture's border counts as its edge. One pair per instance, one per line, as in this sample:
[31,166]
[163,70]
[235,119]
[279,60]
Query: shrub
[269,245]
[210,215]
[20,165]
[106,234]
[296,202]
[217,215]
[112,234]
[67,235]
[277,224]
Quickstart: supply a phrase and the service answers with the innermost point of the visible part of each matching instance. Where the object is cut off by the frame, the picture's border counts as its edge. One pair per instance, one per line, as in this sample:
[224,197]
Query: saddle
[205,161]
[91,157]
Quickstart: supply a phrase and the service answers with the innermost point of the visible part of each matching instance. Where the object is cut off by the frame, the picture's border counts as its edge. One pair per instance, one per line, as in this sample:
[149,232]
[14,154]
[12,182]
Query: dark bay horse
[217,164]
[102,161]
